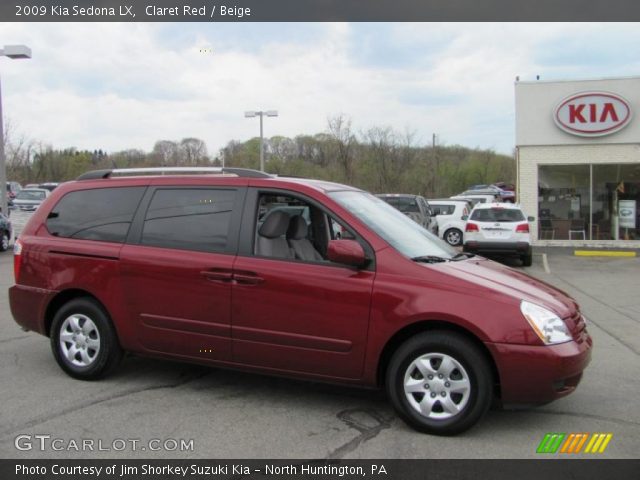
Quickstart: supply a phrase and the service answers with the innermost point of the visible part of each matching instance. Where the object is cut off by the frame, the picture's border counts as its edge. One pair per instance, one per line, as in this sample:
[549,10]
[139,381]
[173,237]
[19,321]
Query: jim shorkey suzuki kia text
[303,278]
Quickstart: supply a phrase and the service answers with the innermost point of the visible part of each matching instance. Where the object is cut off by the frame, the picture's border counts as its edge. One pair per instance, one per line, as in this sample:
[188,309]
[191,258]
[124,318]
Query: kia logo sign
[592,114]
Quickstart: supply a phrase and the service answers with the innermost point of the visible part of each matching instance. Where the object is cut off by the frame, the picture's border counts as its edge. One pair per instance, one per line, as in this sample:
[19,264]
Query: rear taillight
[522,228]
[471,227]
[17,259]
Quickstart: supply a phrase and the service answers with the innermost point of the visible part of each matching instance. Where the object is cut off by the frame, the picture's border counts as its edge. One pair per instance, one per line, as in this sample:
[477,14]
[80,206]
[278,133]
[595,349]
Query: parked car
[5,232]
[51,186]
[32,185]
[415,207]
[500,194]
[176,267]
[452,217]
[476,198]
[12,190]
[28,199]
[499,228]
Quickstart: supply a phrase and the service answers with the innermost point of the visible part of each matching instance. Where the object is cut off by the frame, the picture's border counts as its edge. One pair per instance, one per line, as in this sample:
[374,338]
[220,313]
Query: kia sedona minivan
[236,268]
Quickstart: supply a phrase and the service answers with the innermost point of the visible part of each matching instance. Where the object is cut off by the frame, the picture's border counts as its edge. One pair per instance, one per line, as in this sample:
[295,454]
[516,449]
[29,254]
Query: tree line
[380,159]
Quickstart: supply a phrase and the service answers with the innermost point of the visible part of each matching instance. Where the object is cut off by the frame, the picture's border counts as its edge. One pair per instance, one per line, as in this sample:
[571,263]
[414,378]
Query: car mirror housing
[531,219]
[465,217]
[347,252]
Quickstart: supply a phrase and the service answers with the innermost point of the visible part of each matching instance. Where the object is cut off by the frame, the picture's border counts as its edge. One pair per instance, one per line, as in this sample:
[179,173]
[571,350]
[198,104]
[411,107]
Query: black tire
[527,260]
[4,241]
[105,358]
[474,365]
[454,233]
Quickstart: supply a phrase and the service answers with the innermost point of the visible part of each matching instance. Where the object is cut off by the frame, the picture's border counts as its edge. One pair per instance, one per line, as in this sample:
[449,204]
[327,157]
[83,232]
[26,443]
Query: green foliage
[378,160]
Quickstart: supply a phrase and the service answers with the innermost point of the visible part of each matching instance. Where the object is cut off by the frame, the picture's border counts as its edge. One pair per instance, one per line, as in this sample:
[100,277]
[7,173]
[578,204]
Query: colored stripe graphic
[550,443]
[573,443]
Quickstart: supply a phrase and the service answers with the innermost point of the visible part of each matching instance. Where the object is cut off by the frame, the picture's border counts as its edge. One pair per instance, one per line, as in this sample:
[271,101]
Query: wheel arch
[433,325]
[61,299]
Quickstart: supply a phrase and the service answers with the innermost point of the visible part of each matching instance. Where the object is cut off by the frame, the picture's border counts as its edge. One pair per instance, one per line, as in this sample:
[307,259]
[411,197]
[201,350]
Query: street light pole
[14,52]
[261,114]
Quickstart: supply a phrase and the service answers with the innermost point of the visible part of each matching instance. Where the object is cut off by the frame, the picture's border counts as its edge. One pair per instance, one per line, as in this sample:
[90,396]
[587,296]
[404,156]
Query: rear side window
[497,215]
[103,214]
[443,209]
[189,219]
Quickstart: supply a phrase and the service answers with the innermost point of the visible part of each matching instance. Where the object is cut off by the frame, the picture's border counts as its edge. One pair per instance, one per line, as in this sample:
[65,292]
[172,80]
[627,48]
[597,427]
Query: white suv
[452,218]
[500,228]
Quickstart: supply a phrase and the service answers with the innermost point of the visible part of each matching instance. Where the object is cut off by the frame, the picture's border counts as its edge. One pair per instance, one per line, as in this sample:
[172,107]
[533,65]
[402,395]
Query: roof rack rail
[240,172]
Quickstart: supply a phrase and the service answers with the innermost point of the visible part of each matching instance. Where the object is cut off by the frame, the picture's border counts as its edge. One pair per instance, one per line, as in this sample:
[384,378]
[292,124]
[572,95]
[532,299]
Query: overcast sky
[117,86]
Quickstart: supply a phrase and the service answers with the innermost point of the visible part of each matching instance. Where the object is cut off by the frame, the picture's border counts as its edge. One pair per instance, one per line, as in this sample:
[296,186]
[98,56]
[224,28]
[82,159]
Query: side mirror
[465,217]
[347,252]
[531,219]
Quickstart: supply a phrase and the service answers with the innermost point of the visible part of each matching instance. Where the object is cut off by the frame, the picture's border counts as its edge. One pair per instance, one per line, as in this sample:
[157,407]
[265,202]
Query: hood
[493,275]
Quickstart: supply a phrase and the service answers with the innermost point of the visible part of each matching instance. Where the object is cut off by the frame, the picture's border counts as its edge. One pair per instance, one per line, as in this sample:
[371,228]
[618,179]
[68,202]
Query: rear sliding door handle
[248,278]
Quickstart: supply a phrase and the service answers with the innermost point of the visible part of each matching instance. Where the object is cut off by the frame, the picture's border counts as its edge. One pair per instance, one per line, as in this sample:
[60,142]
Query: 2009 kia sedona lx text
[293,277]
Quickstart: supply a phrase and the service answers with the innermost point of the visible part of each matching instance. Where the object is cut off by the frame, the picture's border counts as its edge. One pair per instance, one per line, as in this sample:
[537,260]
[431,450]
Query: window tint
[443,209]
[497,215]
[103,214]
[189,219]
[404,204]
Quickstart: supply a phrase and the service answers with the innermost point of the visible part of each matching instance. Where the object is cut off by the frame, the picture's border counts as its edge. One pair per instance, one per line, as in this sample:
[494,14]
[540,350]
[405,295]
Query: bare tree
[193,151]
[344,142]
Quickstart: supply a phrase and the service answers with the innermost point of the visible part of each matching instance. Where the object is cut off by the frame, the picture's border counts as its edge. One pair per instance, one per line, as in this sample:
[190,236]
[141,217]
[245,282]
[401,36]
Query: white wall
[536,103]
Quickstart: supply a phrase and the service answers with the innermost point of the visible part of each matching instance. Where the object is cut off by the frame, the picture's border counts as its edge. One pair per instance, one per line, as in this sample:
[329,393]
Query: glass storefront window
[589,202]
[616,194]
[563,202]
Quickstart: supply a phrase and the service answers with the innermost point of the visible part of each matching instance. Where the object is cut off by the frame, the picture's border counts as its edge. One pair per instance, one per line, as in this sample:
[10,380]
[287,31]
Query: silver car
[28,199]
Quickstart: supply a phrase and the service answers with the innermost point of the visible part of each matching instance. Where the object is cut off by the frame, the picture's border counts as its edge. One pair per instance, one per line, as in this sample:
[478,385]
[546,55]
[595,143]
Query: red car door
[177,271]
[298,316]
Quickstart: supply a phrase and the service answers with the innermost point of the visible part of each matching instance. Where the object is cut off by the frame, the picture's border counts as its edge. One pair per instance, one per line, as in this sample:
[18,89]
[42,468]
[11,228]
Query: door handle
[247,278]
[218,275]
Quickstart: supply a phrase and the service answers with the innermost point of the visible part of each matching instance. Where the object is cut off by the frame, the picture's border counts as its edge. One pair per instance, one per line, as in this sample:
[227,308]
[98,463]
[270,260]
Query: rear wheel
[527,260]
[439,383]
[83,340]
[453,237]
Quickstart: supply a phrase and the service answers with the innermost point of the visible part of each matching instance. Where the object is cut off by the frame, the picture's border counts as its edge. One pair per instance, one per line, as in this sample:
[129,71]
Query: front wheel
[453,237]
[439,383]
[83,340]
[4,242]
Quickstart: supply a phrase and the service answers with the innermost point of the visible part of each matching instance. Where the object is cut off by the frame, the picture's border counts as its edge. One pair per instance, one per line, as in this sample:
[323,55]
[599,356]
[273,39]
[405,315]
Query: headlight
[547,325]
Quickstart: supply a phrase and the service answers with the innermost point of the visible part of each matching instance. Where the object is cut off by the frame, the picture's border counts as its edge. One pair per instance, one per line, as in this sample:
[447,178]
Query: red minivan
[304,278]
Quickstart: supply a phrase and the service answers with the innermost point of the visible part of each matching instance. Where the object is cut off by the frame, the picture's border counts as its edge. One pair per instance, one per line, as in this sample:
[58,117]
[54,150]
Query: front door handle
[247,278]
[218,275]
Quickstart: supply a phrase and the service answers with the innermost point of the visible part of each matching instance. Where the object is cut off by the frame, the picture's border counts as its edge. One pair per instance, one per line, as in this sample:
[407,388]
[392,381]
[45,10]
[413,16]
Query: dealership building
[578,155]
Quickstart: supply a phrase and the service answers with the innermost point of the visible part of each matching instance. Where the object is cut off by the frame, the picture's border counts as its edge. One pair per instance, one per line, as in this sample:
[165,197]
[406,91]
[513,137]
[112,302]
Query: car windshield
[404,204]
[497,215]
[30,195]
[398,230]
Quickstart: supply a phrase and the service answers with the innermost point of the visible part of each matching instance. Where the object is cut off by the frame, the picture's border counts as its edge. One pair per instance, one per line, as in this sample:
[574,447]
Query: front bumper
[540,374]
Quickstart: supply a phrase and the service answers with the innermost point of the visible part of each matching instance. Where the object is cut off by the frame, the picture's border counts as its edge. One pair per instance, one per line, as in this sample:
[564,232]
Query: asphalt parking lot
[239,415]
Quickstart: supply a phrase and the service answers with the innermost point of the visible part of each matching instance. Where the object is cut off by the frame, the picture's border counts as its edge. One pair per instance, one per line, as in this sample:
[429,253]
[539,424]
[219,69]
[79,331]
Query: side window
[290,228]
[189,219]
[437,210]
[102,214]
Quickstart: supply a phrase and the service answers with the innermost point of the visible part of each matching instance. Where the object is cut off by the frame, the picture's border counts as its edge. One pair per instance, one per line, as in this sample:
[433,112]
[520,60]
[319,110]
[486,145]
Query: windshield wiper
[430,259]
[461,255]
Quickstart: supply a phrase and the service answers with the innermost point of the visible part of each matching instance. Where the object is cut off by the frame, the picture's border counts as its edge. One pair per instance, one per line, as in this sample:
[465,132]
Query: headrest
[275,225]
[297,228]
